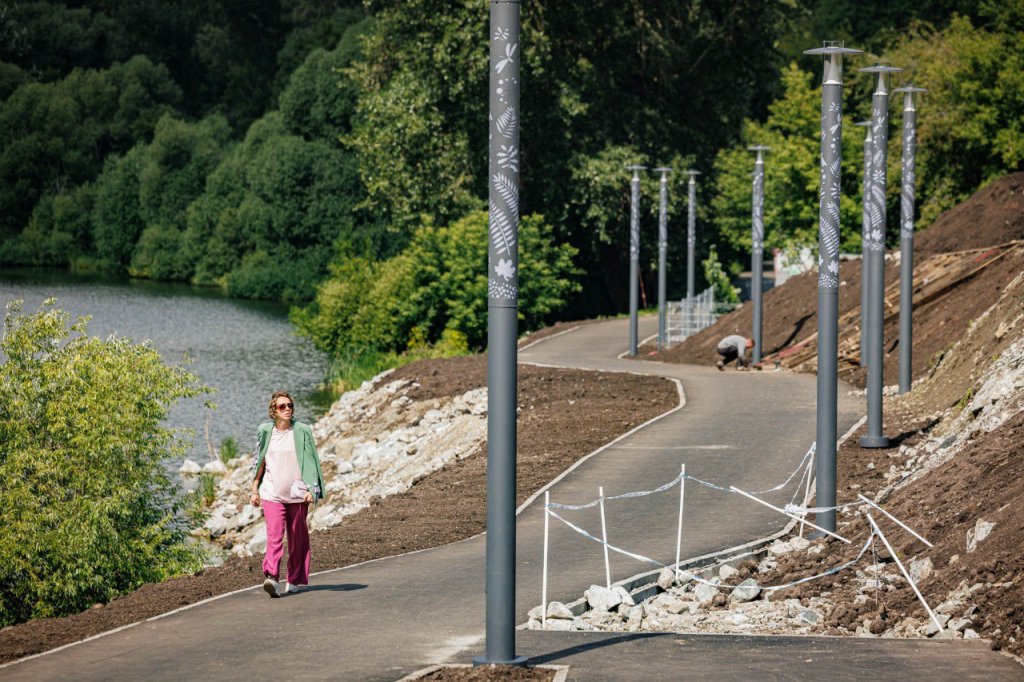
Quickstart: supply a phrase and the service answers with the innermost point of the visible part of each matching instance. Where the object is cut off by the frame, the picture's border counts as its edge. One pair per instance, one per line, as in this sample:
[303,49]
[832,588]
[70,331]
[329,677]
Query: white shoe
[292,589]
[270,587]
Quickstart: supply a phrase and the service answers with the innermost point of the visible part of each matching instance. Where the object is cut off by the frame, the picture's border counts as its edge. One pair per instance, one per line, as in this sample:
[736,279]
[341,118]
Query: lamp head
[833,52]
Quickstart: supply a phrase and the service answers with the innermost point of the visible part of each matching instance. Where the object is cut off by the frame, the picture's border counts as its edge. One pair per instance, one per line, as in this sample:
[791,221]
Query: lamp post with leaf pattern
[865,224]
[757,250]
[907,235]
[828,277]
[502,323]
[875,265]
[691,235]
[634,254]
[662,249]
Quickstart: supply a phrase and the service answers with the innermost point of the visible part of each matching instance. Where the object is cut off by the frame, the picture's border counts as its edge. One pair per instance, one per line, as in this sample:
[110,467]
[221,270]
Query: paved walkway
[384,619]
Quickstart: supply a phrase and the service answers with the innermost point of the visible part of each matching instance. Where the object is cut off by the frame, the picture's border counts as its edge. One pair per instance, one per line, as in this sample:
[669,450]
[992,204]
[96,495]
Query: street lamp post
[757,250]
[691,235]
[662,250]
[907,236]
[502,321]
[634,255]
[865,224]
[876,255]
[828,277]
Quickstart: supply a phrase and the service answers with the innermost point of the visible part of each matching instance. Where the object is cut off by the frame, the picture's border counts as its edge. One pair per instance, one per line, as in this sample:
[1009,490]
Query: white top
[281,467]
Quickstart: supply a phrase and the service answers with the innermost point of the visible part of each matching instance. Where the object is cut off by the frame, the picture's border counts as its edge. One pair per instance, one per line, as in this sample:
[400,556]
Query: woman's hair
[273,402]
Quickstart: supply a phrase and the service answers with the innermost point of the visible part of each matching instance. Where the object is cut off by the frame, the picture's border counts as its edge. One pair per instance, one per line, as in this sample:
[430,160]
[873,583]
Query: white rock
[624,596]
[959,624]
[799,544]
[601,598]
[931,629]
[736,618]
[559,624]
[666,578]
[809,616]
[635,613]
[215,466]
[971,634]
[189,468]
[745,591]
[920,569]
[536,612]
[779,547]
[557,609]
[250,514]
[258,543]
[726,572]
[345,467]
[704,593]
[977,534]
[949,607]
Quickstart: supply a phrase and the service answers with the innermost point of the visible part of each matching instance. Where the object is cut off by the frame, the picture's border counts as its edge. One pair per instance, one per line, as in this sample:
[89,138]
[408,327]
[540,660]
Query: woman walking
[287,478]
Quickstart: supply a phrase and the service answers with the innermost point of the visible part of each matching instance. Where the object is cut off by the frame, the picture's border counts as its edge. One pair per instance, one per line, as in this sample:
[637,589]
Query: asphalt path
[384,619]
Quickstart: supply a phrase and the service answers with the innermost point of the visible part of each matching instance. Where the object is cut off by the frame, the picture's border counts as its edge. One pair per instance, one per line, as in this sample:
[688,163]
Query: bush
[87,510]
[228,449]
[438,285]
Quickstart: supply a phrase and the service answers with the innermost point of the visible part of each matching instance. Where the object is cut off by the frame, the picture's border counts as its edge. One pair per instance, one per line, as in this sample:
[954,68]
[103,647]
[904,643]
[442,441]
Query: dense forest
[333,154]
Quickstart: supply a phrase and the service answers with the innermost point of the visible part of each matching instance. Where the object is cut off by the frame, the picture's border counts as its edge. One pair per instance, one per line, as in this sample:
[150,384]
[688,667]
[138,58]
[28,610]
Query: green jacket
[305,452]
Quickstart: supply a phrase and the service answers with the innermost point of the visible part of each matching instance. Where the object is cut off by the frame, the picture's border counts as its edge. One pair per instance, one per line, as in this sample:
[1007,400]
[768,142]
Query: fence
[689,316]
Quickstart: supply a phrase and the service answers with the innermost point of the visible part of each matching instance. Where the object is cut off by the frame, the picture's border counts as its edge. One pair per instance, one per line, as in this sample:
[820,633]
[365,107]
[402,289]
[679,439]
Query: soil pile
[994,216]
[442,507]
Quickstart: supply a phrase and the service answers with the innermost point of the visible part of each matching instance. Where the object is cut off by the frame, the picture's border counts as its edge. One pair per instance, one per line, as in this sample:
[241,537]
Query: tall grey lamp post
[865,225]
[502,312]
[907,236]
[828,277]
[875,264]
[691,235]
[757,249]
[634,254]
[662,249]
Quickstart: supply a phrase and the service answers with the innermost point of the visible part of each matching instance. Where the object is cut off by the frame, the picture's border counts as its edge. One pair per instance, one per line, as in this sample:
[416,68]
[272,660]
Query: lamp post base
[875,442]
[519,661]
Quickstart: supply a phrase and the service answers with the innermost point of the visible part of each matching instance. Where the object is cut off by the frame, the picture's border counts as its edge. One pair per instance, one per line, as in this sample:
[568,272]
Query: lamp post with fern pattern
[865,224]
[875,265]
[907,236]
[691,235]
[662,249]
[828,278]
[502,323]
[634,254]
[757,250]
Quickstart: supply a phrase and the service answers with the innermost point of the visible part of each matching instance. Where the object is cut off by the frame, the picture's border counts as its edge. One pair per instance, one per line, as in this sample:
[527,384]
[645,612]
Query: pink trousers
[290,515]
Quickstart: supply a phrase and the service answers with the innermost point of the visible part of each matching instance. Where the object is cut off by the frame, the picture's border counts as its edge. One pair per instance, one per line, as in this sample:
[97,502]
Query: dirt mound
[950,291]
[994,215]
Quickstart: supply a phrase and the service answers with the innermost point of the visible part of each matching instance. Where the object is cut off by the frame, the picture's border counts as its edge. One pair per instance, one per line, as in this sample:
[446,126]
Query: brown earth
[490,672]
[442,507]
[993,216]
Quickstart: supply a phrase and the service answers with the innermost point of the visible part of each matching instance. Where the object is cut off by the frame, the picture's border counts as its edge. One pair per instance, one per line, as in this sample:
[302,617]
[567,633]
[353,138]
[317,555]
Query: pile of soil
[445,506]
[993,216]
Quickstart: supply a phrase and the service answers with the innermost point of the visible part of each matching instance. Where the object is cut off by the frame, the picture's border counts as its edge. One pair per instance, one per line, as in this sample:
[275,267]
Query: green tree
[87,507]
[438,284]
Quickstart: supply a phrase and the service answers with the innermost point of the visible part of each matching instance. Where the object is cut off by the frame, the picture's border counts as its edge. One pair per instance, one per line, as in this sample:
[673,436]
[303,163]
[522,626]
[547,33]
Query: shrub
[87,510]
[228,449]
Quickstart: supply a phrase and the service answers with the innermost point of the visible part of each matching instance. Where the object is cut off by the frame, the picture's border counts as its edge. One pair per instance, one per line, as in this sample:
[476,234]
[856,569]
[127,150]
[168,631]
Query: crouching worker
[734,347]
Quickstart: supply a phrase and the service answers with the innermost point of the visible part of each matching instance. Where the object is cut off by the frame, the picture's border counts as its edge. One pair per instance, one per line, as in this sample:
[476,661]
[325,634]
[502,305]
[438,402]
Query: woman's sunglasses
[286,406]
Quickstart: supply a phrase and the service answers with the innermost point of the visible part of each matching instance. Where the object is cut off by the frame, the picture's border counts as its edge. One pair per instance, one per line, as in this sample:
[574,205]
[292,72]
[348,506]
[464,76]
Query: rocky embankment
[375,441]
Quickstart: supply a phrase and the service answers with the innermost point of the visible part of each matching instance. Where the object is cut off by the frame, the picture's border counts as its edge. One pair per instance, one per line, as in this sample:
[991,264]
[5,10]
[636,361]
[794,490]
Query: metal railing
[687,317]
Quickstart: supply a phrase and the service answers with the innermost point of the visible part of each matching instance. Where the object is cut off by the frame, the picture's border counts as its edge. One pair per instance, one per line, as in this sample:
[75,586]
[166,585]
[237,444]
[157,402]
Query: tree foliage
[437,284]
[87,508]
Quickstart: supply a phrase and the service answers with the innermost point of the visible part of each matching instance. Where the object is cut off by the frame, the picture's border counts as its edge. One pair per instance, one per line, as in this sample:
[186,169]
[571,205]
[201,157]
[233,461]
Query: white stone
[250,514]
[745,591]
[666,578]
[559,624]
[949,607]
[959,624]
[536,612]
[977,534]
[189,468]
[971,634]
[799,544]
[809,616]
[635,612]
[704,593]
[726,572]
[931,629]
[624,596]
[920,569]
[215,466]
[258,543]
[557,609]
[779,547]
[602,598]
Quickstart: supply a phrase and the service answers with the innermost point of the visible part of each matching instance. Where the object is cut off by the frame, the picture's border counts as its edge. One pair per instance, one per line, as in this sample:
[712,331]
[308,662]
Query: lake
[243,349]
